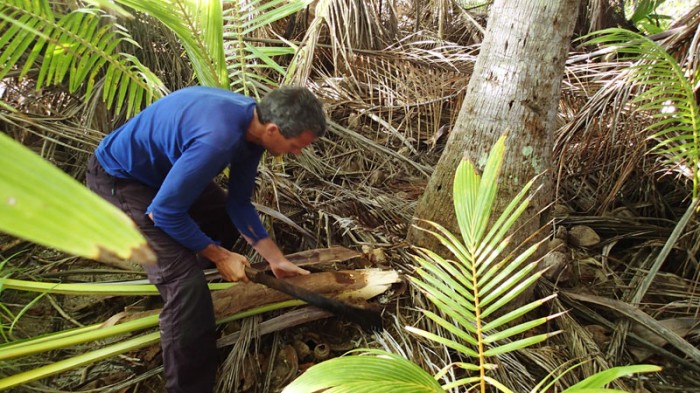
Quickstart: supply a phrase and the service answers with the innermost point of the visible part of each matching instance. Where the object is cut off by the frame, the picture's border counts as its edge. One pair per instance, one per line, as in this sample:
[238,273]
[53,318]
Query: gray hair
[294,110]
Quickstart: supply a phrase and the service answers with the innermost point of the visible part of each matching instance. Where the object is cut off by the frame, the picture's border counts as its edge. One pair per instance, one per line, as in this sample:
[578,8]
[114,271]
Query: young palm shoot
[478,281]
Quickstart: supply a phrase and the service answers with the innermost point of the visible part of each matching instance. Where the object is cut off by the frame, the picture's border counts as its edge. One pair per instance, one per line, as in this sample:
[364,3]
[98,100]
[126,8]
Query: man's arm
[246,219]
[190,174]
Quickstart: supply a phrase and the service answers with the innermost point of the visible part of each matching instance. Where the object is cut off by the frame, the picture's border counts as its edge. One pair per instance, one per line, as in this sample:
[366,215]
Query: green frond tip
[108,5]
[474,195]
[42,204]
[198,26]
[374,371]
[603,378]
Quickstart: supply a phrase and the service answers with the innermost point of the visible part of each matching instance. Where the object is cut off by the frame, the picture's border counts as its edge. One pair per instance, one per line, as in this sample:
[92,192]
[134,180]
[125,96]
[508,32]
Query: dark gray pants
[188,335]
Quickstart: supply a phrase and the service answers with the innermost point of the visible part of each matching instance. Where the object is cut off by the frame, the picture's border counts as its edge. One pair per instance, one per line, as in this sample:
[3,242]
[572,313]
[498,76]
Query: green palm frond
[597,382]
[124,334]
[78,49]
[199,26]
[62,213]
[91,357]
[480,281]
[380,372]
[665,93]
[252,68]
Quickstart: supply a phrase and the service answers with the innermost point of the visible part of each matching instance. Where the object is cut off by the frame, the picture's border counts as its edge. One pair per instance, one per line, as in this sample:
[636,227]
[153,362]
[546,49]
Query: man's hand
[284,268]
[279,264]
[233,267]
[230,265]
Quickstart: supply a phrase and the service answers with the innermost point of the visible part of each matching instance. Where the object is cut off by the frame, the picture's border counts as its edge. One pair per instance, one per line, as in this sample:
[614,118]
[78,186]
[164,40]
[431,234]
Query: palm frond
[252,68]
[596,383]
[480,281]
[666,94]
[199,26]
[350,26]
[79,48]
[62,213]
[380,372]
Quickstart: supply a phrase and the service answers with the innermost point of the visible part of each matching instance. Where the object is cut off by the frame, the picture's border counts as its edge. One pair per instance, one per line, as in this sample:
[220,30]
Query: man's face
[278,145]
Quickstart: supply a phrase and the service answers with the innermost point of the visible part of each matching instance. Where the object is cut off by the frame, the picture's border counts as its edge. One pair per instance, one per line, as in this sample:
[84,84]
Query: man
[159,168]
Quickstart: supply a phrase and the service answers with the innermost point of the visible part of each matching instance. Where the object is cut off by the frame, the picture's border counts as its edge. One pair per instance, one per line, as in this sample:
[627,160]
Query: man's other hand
[284,269]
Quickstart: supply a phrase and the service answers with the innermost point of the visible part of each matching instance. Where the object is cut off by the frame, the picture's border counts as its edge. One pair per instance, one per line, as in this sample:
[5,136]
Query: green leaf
[251,66]
[513,292]
[517,329]
[376,371]
[42,204]
[69,48]
[604,377]
[198,25]
[99,289]
[462,333]
[659,78]
[444,341]
[520,311]
[519,344]
[495,286]
[54,341]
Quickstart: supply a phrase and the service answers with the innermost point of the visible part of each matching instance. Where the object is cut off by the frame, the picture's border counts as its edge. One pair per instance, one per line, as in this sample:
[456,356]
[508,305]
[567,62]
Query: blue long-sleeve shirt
[178,145]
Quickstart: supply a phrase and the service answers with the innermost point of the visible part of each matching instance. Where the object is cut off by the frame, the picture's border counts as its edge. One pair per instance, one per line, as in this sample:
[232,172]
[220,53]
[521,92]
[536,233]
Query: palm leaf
[480,279]
[44,205]
[78,48]
[456,288]
[251,66]
[199,26]
[80,360]
[666,94]
[381,372]
[596,383]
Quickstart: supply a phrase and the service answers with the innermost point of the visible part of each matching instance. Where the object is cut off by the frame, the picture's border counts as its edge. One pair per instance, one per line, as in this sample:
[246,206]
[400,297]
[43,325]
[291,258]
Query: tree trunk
[514,87]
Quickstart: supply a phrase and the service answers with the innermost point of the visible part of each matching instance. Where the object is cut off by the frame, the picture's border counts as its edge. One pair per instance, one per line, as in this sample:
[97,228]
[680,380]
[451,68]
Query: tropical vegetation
[392,76]
[468,293]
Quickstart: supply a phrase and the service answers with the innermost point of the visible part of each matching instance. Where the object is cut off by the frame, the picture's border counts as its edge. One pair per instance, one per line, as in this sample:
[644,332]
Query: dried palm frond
[237,362]
[346,25]
[459,21]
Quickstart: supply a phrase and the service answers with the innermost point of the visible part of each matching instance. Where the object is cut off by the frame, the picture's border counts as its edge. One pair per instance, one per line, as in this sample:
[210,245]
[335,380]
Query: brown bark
[351,285]
[514,87]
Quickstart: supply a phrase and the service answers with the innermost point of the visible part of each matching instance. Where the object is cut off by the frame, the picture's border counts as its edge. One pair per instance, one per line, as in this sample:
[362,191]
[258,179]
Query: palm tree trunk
[515,88]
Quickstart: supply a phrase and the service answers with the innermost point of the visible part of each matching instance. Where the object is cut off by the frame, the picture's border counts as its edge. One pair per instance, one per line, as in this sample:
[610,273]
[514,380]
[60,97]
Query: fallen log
[353,286]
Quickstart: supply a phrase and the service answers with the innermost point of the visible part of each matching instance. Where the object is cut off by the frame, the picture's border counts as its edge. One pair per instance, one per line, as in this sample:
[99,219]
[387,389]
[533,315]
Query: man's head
[293,118]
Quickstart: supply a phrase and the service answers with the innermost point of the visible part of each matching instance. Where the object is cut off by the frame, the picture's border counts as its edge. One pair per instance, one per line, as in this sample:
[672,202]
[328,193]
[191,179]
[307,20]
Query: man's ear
[271,128]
